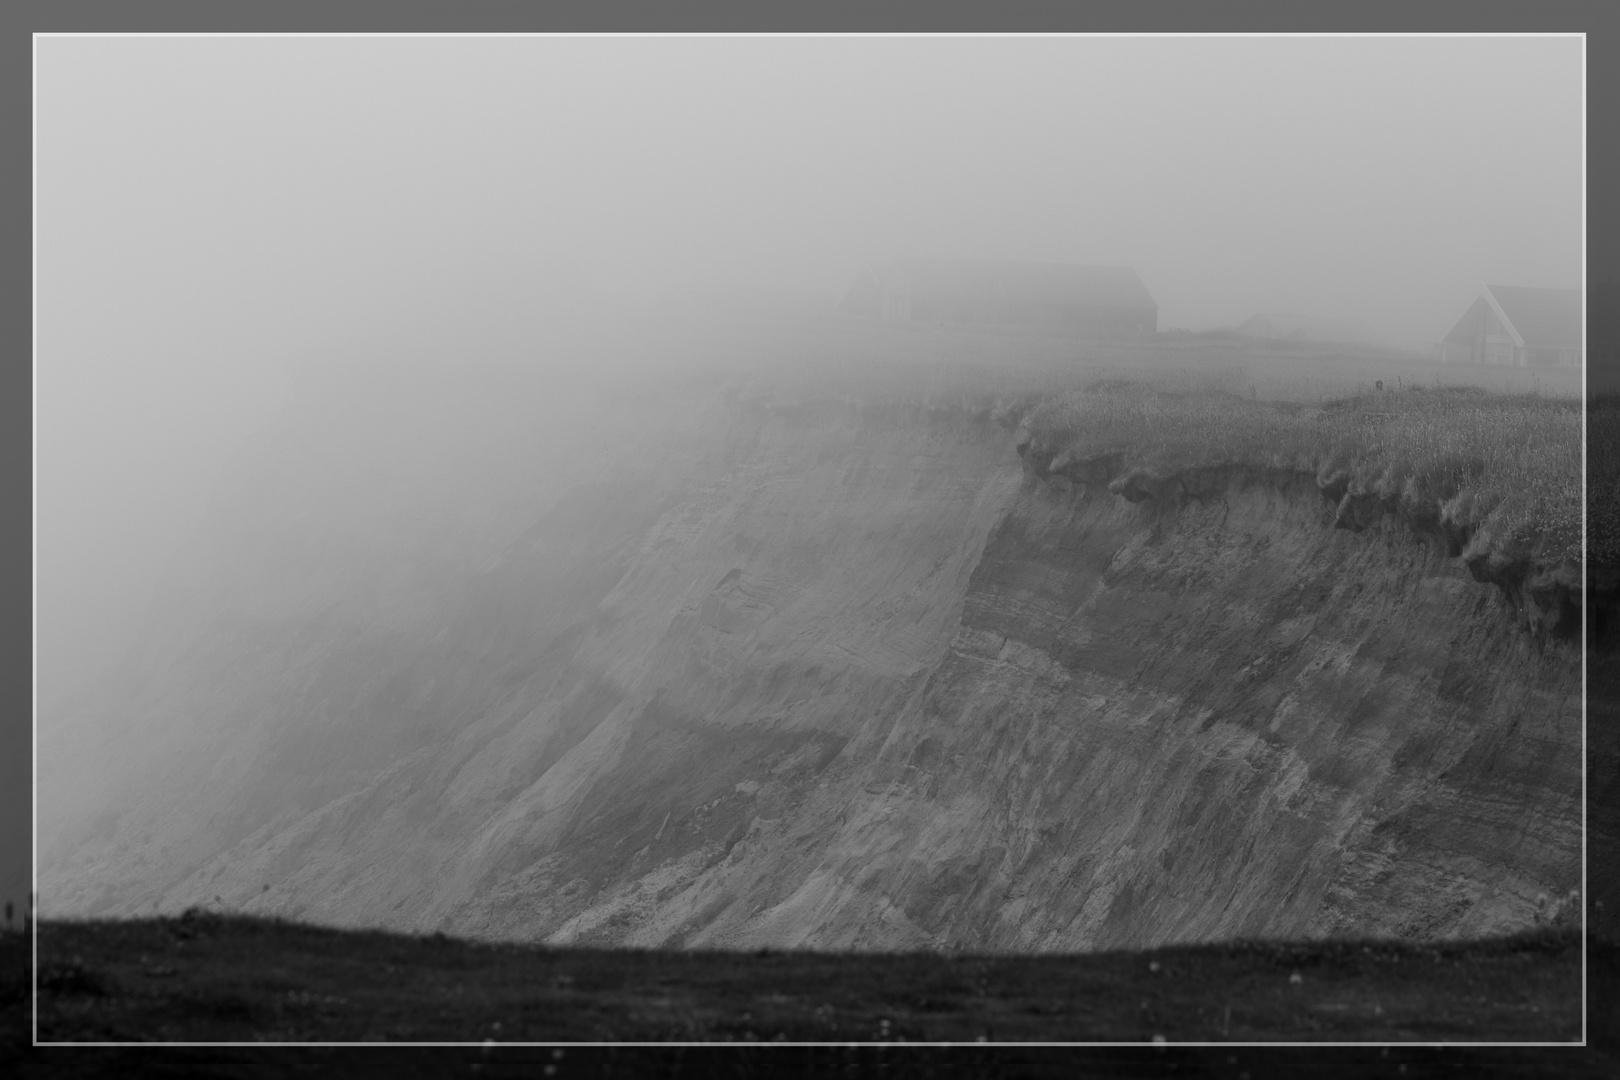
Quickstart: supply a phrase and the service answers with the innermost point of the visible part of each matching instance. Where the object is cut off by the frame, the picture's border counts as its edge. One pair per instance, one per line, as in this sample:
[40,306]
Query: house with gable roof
[1518,326]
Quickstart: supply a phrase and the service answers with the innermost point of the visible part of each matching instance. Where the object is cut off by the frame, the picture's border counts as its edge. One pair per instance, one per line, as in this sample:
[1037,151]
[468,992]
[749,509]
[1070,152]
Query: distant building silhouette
[1518,326]
[1305,328]
[1108,299]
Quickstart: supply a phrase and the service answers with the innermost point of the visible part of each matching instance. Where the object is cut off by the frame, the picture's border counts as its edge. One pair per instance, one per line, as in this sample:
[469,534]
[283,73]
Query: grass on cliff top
[1505,466]
[1493,449]
[969,366]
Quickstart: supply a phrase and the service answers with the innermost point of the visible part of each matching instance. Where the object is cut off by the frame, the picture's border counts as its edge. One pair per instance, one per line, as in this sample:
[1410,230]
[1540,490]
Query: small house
[1518,326]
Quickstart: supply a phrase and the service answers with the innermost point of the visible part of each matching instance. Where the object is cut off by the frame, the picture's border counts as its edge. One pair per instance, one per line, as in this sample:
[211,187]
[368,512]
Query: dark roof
[1027,282]
[1466,328]
[1544,318]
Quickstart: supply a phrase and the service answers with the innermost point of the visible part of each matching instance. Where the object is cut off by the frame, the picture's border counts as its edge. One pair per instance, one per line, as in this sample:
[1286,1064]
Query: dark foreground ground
[240,980]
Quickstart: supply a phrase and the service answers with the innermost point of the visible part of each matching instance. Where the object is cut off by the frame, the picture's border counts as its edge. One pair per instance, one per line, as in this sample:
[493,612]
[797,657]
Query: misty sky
[211,208]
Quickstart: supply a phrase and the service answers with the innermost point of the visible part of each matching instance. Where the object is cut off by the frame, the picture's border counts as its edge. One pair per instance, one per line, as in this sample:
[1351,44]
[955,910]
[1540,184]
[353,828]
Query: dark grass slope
[214,978]
[232,979]
[243,980]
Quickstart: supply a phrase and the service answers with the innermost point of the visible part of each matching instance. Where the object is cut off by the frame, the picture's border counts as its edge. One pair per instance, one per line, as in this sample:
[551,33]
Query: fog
[216,216]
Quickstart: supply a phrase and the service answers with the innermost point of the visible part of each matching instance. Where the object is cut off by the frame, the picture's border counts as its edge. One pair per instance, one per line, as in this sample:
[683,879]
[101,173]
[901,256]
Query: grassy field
[527,1011]
[237,979]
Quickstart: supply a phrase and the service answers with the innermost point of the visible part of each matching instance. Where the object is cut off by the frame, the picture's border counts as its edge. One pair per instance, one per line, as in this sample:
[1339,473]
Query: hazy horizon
[213,210]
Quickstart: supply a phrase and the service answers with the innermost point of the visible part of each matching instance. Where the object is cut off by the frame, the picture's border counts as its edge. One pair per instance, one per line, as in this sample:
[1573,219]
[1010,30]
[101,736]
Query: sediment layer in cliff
[1549,595]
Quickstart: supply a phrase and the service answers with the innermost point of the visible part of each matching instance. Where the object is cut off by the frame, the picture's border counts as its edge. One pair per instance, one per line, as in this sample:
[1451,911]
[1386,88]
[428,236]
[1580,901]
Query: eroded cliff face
[833,675]
[1177,723]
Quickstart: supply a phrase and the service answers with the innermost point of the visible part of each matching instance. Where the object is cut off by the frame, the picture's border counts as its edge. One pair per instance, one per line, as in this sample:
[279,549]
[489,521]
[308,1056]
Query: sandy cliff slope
[820,673]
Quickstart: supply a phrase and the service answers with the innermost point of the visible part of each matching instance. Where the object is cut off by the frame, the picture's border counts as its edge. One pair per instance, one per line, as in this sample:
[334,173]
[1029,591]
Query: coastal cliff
[828,673]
